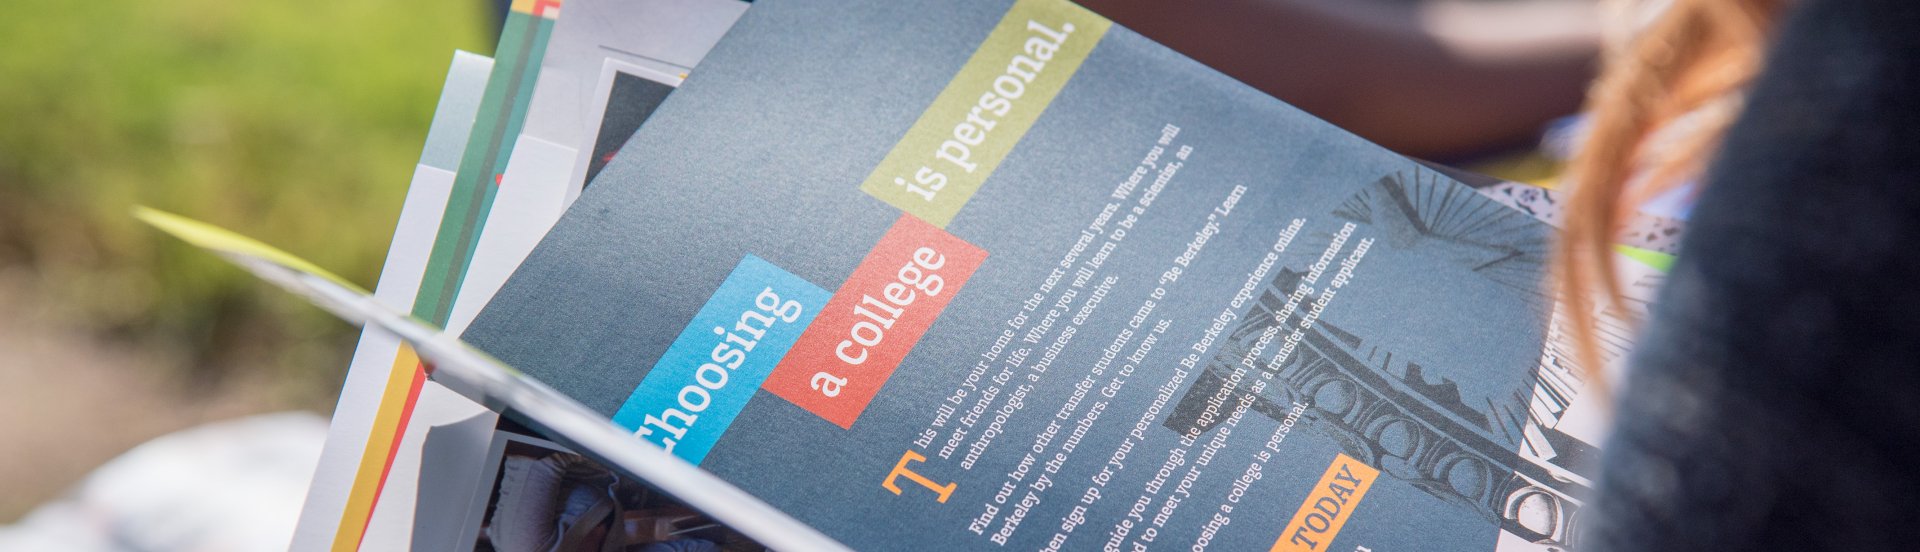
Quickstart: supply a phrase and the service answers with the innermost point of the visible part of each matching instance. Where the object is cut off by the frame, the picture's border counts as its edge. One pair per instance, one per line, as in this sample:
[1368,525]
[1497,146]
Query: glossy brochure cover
[988,274]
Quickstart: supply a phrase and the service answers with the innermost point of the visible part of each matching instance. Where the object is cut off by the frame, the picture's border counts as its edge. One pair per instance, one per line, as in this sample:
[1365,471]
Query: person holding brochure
[1023,278]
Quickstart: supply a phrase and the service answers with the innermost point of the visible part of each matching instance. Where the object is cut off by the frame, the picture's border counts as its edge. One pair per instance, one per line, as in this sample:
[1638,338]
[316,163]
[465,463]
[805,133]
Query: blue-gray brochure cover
[999,274]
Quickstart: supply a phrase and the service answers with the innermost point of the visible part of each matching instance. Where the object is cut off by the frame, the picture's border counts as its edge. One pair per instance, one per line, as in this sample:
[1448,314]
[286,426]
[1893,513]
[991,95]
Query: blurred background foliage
[298,123]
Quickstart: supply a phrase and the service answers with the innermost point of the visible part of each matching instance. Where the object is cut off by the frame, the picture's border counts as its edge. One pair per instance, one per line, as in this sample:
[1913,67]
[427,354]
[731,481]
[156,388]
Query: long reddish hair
[1694,60]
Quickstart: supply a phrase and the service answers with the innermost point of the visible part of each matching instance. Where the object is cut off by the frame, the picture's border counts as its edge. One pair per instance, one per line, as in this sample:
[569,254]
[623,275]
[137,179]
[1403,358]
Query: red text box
[873,321]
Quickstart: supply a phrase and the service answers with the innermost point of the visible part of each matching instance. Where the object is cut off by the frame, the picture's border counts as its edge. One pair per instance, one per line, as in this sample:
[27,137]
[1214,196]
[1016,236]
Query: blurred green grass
[298,123]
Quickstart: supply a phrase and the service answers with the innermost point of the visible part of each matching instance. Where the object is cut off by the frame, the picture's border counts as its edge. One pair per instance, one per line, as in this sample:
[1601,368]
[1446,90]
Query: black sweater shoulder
[1774,400]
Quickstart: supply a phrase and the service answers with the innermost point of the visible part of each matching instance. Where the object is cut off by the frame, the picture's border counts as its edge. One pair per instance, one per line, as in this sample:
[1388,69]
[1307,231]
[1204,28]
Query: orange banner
[1327,508]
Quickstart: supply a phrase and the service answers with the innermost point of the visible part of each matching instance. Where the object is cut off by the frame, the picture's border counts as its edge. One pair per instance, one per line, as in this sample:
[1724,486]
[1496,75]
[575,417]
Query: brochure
[991,274]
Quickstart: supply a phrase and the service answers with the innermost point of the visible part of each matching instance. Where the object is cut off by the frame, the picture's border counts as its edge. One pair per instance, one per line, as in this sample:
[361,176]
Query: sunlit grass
[296,122]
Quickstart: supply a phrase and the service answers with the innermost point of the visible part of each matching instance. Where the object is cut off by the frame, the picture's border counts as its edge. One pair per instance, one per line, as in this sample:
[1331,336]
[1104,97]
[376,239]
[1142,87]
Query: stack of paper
[509,149]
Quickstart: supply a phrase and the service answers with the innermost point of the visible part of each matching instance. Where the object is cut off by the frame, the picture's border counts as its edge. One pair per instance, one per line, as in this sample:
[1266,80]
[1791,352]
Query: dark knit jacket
[1774,399]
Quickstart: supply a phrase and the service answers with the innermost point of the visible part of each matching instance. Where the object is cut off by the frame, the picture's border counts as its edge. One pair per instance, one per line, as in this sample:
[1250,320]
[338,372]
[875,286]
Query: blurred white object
[225,486]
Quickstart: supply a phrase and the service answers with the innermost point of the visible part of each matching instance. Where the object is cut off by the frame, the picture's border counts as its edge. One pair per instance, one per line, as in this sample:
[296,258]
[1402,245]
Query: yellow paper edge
[221,240]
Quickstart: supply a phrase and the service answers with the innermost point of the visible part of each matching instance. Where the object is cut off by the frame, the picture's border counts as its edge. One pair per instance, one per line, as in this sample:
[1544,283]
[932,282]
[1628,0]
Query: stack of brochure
[888,274]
